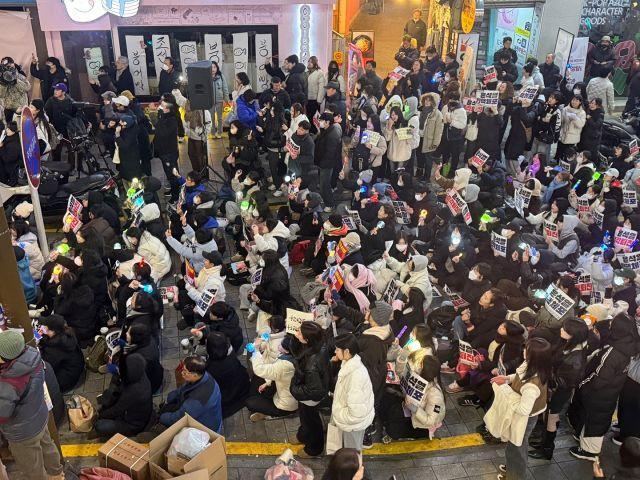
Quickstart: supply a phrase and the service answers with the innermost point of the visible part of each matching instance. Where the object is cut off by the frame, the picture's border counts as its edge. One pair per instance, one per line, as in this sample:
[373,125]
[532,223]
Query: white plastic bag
[189,442]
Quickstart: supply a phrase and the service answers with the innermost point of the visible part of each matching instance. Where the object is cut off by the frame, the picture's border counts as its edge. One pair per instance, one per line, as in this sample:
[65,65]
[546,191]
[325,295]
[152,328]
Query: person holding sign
[523,115]
[209,279]
[573,120]
[455,121]
[399,144]
[352,408]
[273,293]
[526,390]
[546,127]
[506,69]
[431,128]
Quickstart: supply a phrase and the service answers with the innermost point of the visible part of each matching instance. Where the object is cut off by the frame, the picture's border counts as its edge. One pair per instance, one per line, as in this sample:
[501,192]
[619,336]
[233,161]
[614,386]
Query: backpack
[96,354]
[297,252]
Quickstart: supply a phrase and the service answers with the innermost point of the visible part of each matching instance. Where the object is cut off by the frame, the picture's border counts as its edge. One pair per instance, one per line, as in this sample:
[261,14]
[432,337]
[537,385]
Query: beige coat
[573,119]
[281,371]
[432,131]
[377,151]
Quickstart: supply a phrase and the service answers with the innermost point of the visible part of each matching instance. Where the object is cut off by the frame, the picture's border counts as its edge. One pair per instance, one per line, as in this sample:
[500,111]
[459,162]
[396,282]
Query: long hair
[343,465]
[578,331]
[539,360]
[195,118]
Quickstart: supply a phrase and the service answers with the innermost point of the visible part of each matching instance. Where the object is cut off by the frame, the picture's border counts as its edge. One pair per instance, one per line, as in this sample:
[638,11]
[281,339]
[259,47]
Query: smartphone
[380,224]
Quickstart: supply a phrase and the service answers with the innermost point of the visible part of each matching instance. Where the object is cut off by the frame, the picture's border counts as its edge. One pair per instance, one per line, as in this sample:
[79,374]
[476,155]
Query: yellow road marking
[274,449]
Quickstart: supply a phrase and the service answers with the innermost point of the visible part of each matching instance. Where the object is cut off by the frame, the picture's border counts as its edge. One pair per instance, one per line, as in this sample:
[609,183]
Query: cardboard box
[124,455]
[213,458]
[175,464]
[198,475]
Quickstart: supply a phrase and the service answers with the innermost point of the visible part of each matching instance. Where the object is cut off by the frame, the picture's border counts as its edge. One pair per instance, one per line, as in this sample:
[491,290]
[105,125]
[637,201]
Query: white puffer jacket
[269,349]
[268,241]
[573,119]
[154,252]
[315,86]
[208,279]
[281,371]
[352,408]
[418,278]
[29,243]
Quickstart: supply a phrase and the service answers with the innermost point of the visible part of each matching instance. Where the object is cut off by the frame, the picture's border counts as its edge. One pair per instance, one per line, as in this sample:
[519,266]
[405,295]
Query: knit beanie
[599,311]
[352,239]
[381,313]
[11,344]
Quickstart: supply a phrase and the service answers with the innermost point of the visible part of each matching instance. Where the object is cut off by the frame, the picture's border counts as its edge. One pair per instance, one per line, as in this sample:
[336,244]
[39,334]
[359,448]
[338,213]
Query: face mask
[255,213]
[164,67]
[78,261]
[418,196]
[363,116]
[618,281]
[576,91]
[504,232]
[473,275]
[591,196]
[261,262]
[247,182]
[327,225]
[446,79]
[601,208]
[196,200]
[402,248]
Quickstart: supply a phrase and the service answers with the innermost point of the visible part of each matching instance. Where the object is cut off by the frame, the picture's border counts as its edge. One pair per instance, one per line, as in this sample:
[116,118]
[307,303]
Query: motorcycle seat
[84,184]
[58,167]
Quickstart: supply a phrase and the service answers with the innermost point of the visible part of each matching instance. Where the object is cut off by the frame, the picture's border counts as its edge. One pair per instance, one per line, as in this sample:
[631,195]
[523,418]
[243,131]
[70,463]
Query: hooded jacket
[79,310]
[15,96]
[148,349]
[412,116]
[573,120]
[296,84]
[154,252]
[233,380]
[275,240]
[134,405]
[568,247]
[152,221]
[208,279]
[315,86]
[281,372]
[63,353]
[418,278]
[29,243]
[23,411]
[433,126]
[352,408]
[230,326]
[247,112]
[191,249]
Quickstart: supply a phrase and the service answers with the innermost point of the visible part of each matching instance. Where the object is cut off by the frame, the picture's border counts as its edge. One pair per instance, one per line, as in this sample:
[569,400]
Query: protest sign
[468,355]
[499,244]
[522,197]
[205,301]
[489,98]
[479,159]
[336,278]
[348,222]
[392,376]
[392,292]
[239,267]
[256,277]
[629,198]
[584,284]
[369,136]
[557,302]
[596,297]
[470,104]
[598,218]
[550,230]
[189,273]
[356,217]
[137,200]
[490,74]
[633,146]
[457,301]
[564,165]
[295,318]
[629,260]
[342,250]
[398,73]
[529,93]
[413,386]
[72,222]
[74,206]
[400,209]
[454,201]
[405,133]
[168,294]
[583,204]
[292,148]
[624,237]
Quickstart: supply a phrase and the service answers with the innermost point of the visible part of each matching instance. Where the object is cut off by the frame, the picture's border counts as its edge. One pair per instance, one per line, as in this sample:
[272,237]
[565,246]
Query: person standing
[600,86]
[327,154]
[573,120]
[53,74]
[165,143]
[546,126]
[59,108]
[373,79]
[10,155]
[417,29]
[220,95]
[591,134]
[603,57]
[521,397]
[14,90]
[169,77]
[315,89]
[23,411]
[127,149]
[506,48]
[123,79]
[550,72]
[352,410]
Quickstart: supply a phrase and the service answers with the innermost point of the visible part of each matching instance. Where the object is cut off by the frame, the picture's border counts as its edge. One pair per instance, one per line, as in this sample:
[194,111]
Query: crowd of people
[513,274]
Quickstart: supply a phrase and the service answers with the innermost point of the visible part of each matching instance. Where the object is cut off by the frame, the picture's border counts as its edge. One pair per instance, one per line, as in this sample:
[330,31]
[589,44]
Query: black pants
[311,432]
[277,167]
[312,108]
[628,408]
[451,155]
[107,428]
[196,150]
[169,162]
[395,423]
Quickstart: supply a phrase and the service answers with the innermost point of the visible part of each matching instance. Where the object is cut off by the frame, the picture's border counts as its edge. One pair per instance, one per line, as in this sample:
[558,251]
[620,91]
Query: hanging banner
[138,63]
[240,52]
[263,56]
[161,50]
[563,49]
[577,60]
[188,54]
[355,69]
[213,48]
[94,60]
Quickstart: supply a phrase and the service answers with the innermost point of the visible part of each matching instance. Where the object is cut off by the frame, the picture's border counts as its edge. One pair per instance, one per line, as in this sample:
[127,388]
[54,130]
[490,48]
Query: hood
[382,333]
[135,367]
[420,262]
[280,230]
[536,192]
[471,193]
[28,237]
[95,198]
[315,200]
[635,221]
[610,207]
[63,340]
[297,68]
[395,101]
[412,104]
[461,179]
[150,212]
[24,263]
[23,365]
[435,97]
[569,223]
[623,335]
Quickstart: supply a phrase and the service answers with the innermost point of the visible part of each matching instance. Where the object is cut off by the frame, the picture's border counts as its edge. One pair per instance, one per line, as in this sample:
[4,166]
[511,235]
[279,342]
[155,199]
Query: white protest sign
[356,217]
[583,204]
[470,104]
[499,244]
[489,98]
[263,56]
[479,159]
[522,197]
[370,136]
[629,260]
[398,73]
[295,318]
[490,74]
[633,146]
[577,60]
[584,284]
[629,198]
[391,292]
[400,209]
[161,50]
[454,201]
[598,218]
[413,386]
[557,302]
[348,222]
[138,63]
[256,277]
[624,237]
[457,301]
[213,48]
[596,297]
[529,93]
[550,230]
[240,52]
[74,206]
[188,54]
[206,300]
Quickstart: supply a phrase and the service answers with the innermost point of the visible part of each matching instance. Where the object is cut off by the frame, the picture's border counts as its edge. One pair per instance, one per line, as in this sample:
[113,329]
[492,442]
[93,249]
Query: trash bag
[189,442]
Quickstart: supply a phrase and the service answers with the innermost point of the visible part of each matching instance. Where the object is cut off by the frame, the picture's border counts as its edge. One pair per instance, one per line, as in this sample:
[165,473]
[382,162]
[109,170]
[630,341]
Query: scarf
[365,278]
[337,231]
[424,114]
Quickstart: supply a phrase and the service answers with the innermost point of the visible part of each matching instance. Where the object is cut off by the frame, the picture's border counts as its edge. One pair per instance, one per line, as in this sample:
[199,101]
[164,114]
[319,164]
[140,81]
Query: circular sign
[30,147]
[338,57]
[468,15]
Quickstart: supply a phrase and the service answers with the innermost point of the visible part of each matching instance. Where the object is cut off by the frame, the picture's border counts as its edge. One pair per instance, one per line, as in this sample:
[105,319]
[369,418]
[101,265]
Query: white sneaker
[272,187]
[328,209]
[278,193]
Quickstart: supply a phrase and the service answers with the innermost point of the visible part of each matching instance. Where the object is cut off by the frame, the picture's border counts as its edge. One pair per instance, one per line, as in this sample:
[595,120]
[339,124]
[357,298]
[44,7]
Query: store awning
[510,3]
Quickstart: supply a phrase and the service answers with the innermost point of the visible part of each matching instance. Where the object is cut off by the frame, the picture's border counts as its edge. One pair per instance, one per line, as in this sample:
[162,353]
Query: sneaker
[501,476]
[583,454]
[445,368]
[453,387]
[367,441]
[303,454]
[102,369]
[252,317]
[278,193]
[469,401]
[259,417]
[328,210]
[617,440]
[615,427]
[386,439]
[272,187]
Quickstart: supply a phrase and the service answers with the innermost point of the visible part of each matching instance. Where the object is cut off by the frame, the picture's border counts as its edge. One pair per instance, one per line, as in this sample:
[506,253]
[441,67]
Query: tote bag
[334,439]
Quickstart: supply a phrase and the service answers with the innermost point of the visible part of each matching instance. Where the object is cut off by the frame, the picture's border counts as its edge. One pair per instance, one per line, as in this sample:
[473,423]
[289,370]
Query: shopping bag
[334,439]
[81,414]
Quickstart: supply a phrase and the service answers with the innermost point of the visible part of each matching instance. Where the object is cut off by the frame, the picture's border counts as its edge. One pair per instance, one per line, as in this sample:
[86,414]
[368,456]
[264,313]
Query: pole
[12,295]
[37,212]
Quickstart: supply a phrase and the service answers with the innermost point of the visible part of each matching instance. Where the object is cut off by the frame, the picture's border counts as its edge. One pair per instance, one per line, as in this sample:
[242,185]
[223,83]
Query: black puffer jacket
[230,326]
[79,310]
[592,131]
[233,380]
[148,349]
[134,405]
[328,151]
[485,322]
[63,353]
[129,152]
[310,380]
[568,367]
[274,291]
[296,84]
[165,141]
[48,79]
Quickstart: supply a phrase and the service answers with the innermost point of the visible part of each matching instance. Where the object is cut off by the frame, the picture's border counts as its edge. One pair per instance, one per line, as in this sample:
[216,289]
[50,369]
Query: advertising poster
[516,23]
[578,60]
[355,68]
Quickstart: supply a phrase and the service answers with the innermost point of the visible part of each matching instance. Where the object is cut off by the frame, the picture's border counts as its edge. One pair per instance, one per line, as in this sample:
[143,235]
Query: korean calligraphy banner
[138,63]
[263,55]
[161,50]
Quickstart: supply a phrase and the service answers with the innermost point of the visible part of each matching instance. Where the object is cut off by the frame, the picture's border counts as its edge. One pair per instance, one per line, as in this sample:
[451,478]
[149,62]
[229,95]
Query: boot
[419,173]
[545,451]
[537,434]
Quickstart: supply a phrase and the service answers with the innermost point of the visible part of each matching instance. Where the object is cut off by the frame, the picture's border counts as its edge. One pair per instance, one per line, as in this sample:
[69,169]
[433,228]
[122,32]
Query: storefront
[240,37]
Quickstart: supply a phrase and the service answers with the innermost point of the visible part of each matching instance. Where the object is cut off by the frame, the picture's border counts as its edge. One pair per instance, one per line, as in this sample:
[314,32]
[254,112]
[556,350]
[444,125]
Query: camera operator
[13,88]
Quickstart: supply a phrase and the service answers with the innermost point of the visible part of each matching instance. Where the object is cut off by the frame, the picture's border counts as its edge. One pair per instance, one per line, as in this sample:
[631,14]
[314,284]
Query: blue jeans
[459,328]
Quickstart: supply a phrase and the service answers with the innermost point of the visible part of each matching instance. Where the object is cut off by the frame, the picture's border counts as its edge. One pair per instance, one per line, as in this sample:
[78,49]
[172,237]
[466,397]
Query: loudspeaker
[200,85]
